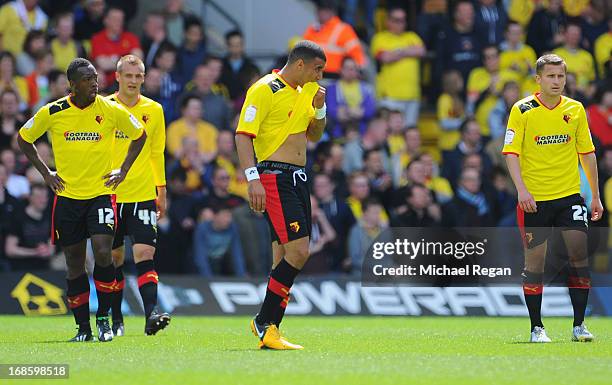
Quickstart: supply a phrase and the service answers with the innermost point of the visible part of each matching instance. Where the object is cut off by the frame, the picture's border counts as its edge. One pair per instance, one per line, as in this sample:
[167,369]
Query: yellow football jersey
[82,141]
[273,110]
[548,142]
[148,171]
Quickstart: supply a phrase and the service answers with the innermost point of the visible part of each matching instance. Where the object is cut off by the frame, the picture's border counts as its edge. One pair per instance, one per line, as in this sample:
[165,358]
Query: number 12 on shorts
[580,213]
[106,216]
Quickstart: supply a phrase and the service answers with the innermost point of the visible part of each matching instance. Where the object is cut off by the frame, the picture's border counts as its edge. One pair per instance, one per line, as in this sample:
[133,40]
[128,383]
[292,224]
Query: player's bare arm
[246,155]
[525,199]
[317,126]
[52,179]
[114,178]
[589,165]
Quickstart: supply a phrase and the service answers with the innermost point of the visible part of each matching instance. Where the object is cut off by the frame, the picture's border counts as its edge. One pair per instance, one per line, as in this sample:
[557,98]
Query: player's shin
[118,295]
[279,284]
[532,289]
[104,278]
[78,300]
[579,284]
[147,285]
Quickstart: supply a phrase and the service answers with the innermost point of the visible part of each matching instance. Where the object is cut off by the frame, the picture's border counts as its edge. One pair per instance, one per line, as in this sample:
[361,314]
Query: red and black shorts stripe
[288,209]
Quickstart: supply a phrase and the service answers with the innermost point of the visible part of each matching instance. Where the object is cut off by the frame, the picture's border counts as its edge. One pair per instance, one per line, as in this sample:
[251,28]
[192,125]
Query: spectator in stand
[165,62]
[152,84]
[363,233]
[10,119]
[89,21]
[9,80]
[578,60]
[350,101]
[216,109]
[8,206]
[572,90]
[484,85]
[459,46]
[593,23]
[38,81]
[191,125]
[17,18]
[254,237]
[216,246]
[28,243]
[399,81]
[329,161]
[491,20]
[227,158]
[603,50]
[108,45]
[419,209]
[397,127]
[411,150]
[337,38]
[237,67]
[471,143]
[16,185]
[154,36]
[545,31]
[219,194]
[504,197]
[516,55]
[58,86]
[174,254]
[375,137]
[359,190]
[368,10]
[189,161]
[193,51]
[440,186]
[600,115]
[25,62]
[337,212]
[64,46]
[176,18]
[498,117]
[321,242]
[215,65]
[450,109]
[381,181]
[470,206]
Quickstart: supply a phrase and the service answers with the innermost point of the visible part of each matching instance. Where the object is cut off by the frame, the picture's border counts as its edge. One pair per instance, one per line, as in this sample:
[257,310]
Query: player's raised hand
[257,196]
[526,202]
[319,98]
[114,178]
[55,182]
[596,210]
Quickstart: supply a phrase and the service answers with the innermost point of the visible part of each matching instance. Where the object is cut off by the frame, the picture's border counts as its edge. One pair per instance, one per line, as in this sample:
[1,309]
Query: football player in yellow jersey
[281,112]
[82,128]
[546,136]
[141,197]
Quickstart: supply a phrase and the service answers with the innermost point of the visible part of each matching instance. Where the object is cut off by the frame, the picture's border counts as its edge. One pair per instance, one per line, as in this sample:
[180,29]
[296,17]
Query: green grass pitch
[338,350]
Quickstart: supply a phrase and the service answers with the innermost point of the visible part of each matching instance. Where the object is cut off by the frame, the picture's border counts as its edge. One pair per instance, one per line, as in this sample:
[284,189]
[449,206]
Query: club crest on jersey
[552,139]
[566,118]
[145,118]
[99,119]
[72,136]
[294,226]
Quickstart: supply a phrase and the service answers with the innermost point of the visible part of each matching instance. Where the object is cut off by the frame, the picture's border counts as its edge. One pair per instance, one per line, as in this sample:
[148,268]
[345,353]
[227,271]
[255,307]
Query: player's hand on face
[55,182]
[319,98]
[596,210]
[257,196]
[114,178]
[526,202]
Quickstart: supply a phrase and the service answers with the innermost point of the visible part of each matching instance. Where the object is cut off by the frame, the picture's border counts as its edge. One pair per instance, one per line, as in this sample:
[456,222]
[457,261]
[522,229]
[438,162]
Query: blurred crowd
[418,97]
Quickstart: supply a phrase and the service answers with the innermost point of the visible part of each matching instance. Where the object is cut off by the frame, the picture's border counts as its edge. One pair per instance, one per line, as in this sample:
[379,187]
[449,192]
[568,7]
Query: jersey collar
[69,99]
[537,96]
[125,105]
[282,79]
